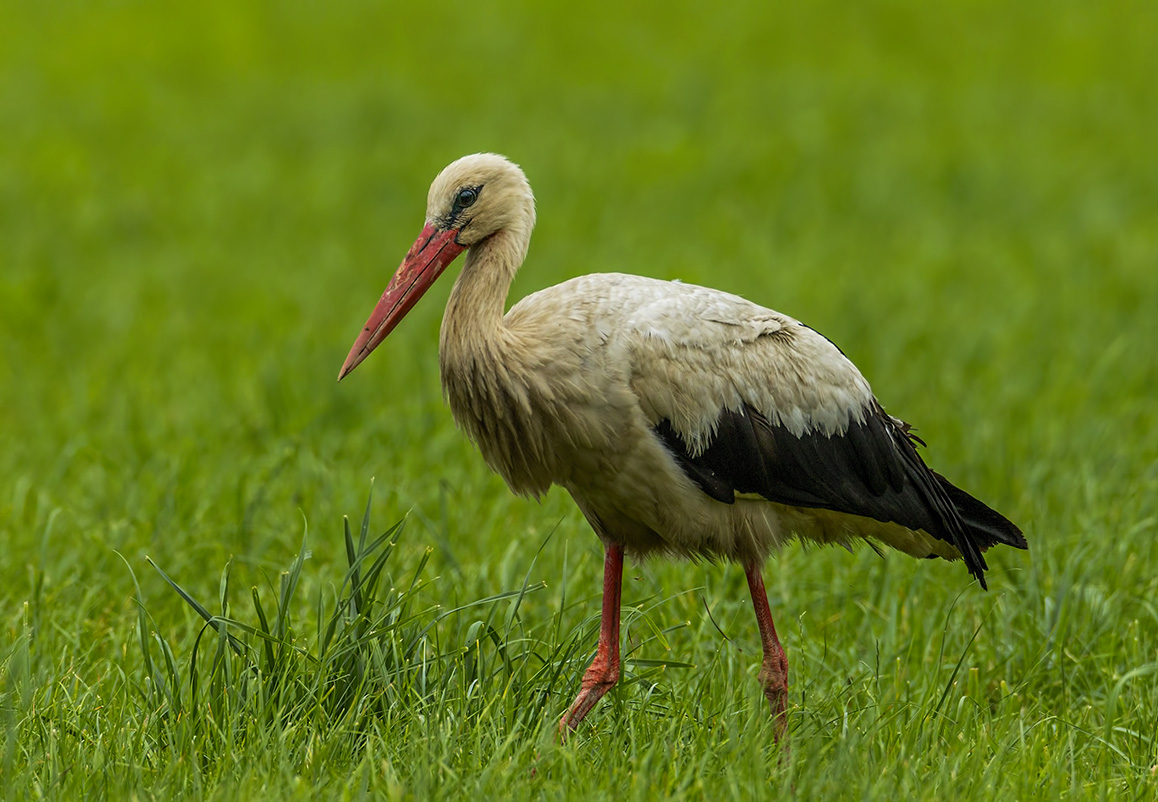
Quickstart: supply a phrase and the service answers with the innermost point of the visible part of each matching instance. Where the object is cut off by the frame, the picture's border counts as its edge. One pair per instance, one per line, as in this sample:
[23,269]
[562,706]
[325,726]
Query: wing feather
[753,402]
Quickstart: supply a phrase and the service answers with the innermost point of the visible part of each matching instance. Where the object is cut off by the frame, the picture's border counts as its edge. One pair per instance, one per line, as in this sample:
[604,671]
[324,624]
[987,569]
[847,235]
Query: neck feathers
[481,378]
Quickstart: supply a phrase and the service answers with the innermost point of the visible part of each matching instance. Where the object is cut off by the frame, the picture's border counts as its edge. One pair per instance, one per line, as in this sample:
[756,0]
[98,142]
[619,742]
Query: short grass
[200,202]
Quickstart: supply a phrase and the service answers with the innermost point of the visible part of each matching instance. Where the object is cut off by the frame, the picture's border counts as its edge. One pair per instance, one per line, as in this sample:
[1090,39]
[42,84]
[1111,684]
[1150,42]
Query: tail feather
[986,526]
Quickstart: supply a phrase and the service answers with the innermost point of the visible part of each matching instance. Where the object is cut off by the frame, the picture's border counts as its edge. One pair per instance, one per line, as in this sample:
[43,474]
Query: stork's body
[682,420]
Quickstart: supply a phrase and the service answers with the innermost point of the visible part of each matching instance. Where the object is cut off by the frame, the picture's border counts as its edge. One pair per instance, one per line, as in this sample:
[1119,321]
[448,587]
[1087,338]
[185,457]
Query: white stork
[683,420]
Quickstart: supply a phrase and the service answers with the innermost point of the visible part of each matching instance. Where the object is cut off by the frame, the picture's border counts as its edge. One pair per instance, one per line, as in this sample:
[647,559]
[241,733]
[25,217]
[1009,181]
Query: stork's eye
[465,197]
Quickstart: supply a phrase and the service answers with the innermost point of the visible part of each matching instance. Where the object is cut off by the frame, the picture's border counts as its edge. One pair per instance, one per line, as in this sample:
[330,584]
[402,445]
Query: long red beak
[428,257]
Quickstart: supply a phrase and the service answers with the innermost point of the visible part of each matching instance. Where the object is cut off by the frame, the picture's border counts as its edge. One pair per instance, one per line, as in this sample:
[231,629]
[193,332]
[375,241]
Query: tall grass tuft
[373,656]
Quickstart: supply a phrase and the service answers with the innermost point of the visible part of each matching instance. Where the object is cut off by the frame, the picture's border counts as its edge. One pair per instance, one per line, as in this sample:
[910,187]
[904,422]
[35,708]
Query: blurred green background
[200,203]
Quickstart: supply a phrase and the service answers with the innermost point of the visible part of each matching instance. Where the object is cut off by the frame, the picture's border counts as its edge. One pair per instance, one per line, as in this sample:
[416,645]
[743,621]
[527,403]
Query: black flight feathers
[872,469]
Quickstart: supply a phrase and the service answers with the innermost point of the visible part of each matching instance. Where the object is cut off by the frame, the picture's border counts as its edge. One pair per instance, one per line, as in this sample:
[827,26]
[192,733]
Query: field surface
[199,204]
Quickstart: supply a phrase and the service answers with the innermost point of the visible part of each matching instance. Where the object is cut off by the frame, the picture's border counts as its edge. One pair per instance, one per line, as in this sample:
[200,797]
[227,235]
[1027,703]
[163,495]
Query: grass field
[199,203]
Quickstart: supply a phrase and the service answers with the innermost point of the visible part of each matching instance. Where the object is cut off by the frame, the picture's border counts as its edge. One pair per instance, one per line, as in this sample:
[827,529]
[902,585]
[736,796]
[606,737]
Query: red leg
[774,673]
[604,670]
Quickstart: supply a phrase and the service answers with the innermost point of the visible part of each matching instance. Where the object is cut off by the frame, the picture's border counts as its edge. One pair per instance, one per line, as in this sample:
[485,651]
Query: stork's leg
[774,672]
[604,670]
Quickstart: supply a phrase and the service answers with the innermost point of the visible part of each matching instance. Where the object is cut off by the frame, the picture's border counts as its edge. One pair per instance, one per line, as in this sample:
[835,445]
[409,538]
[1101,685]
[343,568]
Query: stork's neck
[474,314]
[483,373]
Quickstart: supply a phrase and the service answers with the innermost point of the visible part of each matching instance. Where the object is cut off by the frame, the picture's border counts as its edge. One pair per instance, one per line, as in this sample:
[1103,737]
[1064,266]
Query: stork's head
[480,195]
[472,199]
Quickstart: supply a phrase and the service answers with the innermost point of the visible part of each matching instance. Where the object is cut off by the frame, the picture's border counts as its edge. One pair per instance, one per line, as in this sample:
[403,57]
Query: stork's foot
[599,679]
[603,673]
[773,679]
[774,670]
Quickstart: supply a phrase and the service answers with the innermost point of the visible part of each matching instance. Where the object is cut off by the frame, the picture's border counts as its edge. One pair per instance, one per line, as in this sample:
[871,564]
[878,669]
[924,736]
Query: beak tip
[353,360]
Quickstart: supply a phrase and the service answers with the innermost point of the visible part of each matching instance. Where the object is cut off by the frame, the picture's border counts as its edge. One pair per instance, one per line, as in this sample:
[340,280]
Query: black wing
[871,469]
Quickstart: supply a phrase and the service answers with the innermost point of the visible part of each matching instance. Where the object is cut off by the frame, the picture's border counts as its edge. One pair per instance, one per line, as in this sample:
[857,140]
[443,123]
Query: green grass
[199,203]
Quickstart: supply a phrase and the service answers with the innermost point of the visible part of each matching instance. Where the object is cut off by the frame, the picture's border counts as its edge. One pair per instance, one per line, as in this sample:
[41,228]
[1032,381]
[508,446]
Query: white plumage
[681,419]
